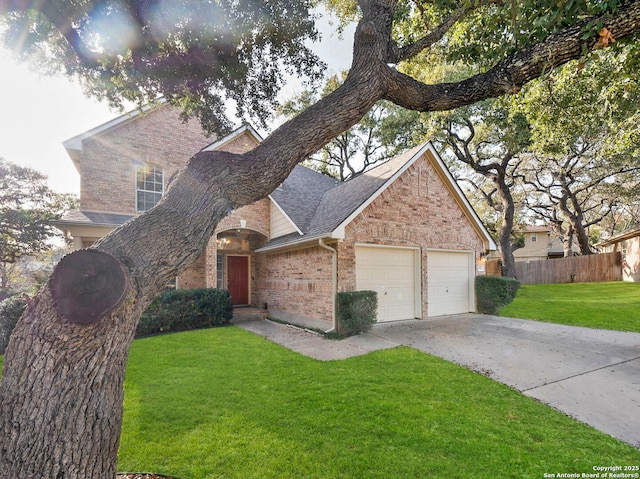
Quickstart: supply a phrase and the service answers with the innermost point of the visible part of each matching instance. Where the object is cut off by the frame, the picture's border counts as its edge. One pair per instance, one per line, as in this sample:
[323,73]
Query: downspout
[334,283]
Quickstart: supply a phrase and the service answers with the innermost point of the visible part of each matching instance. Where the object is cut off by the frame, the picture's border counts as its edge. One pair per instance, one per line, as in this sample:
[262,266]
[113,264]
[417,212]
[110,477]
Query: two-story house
[403,229]
[539,243]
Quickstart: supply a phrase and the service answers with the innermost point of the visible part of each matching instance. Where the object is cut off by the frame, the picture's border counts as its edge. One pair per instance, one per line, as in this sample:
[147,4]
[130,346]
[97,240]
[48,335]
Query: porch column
[211,259]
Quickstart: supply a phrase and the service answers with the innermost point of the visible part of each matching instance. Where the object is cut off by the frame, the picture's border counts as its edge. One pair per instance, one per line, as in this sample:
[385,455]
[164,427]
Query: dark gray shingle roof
[300,194]
[318,204]
[343,200]
[92,218]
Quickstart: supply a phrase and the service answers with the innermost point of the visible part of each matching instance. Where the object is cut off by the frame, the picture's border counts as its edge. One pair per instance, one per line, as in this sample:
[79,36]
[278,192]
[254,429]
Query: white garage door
[391,272]
[450,282]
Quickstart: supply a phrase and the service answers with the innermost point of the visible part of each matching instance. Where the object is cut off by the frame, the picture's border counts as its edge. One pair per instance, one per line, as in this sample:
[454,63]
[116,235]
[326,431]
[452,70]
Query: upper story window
[149,186]
[534,238]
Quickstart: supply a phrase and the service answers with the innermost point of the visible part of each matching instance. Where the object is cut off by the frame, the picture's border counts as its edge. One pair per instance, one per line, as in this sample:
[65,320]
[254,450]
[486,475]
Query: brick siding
[417,210]
[410,214]
[107,165]
[297,284]
[194,276]
[159,137]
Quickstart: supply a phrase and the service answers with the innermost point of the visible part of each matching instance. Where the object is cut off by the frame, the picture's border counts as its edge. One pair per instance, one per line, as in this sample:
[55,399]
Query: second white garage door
[450,282]
[391,272]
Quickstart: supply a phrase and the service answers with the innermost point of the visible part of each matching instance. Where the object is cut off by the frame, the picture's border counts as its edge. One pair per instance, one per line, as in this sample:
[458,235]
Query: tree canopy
[196,54]
[383,132]
[199,53]
[585,152]
[27,208]
[63,381]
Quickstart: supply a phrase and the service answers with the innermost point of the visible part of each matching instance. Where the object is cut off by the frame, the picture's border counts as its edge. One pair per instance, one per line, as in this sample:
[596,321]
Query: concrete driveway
[592,375]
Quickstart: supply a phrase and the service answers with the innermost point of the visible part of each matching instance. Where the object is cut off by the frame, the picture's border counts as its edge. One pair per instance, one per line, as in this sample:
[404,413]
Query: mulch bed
[143,475]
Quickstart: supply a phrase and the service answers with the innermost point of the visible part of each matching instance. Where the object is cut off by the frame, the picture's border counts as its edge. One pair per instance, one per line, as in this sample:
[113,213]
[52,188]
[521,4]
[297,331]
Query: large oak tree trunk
[506,228]
[62,386]
[63,391]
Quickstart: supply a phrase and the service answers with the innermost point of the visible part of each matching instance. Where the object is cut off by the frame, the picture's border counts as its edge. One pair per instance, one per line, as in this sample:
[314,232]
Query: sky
[38,113]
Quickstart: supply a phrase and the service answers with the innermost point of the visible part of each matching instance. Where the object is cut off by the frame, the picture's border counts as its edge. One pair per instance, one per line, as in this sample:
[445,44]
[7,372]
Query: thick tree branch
[511,74]
[182,224]
[397,54]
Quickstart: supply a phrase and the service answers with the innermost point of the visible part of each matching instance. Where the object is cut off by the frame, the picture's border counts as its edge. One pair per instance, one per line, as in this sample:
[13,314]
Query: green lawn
[594,305]
[223,403]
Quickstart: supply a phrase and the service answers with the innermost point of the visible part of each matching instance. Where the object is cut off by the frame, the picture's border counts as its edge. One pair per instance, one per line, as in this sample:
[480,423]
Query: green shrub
[357,311]
[10,311]
[185,309]
[6,293]
[494,292]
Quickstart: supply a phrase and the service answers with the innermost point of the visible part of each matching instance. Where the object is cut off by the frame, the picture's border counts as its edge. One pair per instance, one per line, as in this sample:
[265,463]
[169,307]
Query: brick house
[403,229]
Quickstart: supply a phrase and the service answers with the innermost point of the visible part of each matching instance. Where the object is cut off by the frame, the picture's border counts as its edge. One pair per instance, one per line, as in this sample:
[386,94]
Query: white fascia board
[75,143]
[297,243]
[339,232]
[471,213]
[298,230]
[234,134]
[625,235]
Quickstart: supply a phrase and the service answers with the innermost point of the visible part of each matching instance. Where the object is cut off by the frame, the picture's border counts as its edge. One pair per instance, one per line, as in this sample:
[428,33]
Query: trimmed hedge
[494,292]
[170,311]
[184,309]
[10,311]
[357,311]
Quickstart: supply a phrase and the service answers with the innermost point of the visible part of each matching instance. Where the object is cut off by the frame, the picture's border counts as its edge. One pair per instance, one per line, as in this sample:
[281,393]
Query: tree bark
[576,222]
[567,243]
[506,228]
[62,387]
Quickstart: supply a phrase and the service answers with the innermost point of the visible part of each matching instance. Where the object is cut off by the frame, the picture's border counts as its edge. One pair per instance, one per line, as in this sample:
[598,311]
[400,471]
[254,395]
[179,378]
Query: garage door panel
[449,282]
[398,277]
[391,273]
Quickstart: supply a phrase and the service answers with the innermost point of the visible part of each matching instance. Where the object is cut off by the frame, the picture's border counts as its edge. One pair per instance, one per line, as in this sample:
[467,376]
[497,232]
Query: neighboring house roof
[625,235]
[322,207]
[536,229]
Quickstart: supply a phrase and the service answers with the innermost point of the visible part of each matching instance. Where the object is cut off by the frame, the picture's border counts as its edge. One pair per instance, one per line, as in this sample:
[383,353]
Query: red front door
[238,279]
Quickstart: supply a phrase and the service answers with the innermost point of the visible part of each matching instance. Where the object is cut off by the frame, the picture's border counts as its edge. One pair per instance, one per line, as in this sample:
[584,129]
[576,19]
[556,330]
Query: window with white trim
[149,185]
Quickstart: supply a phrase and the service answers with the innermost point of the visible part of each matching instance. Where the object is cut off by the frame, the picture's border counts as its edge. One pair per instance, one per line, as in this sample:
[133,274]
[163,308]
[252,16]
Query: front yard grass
[223,403]
[594,305]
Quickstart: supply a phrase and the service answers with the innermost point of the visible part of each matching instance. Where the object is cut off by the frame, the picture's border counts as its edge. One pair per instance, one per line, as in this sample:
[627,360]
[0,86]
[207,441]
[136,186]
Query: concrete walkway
[592,375]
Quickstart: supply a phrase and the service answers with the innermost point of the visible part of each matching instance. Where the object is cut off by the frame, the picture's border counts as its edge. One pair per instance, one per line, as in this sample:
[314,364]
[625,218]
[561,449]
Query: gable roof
[301,193]
[246,128]
[74,145]
[318,206]
[92,218]
[325,215]
[624,235]
[345,202]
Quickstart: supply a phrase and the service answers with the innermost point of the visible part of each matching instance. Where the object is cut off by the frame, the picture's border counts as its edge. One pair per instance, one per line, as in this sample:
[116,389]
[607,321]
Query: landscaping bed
[142,475]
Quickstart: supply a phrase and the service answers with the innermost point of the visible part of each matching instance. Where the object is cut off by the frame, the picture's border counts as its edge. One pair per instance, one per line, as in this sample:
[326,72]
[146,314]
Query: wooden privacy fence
[576,269]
